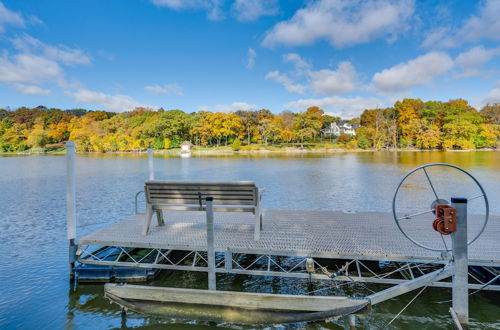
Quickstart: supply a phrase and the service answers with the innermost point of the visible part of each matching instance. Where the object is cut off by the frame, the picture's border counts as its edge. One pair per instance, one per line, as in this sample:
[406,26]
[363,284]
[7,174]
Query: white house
[341,128]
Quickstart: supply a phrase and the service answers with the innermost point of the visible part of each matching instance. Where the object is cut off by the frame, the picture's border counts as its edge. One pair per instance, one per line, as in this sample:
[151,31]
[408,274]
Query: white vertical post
[210,245]
[150,164]
[228,260]
[352,321]
[71,204]
[460,291]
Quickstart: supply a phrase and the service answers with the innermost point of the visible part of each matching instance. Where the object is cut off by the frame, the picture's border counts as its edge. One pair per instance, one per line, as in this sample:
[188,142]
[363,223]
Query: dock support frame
[212,284]
[71,205]
[460,292]
[270,265]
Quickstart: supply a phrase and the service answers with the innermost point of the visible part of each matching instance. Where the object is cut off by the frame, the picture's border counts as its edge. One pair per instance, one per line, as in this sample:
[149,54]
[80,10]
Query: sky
[341,55]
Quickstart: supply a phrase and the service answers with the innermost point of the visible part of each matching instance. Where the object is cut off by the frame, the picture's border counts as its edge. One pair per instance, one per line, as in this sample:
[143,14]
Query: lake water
[34,287]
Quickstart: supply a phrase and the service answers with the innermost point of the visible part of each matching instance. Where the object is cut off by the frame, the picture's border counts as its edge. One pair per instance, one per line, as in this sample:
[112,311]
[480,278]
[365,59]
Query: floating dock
[358,238]
[350,247]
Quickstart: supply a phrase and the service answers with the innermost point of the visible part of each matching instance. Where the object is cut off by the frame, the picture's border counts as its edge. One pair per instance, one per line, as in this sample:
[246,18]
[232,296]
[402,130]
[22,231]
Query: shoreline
[176,152]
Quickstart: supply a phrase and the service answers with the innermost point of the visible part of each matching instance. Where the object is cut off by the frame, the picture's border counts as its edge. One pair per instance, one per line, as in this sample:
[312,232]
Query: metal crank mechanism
[450,219]
[445,221]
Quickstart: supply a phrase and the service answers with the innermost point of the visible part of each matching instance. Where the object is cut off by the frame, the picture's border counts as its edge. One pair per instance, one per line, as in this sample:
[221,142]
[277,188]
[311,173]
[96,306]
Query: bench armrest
[261,191]
[136,201]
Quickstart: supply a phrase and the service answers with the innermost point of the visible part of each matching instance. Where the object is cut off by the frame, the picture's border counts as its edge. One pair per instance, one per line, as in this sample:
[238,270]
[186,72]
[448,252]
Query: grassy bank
[251,149]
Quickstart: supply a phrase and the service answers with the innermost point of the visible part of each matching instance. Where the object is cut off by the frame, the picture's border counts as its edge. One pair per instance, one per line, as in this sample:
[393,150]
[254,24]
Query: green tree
[236,146]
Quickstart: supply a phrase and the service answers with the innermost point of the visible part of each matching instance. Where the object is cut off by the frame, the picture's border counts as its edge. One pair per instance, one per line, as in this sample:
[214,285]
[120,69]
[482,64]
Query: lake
[34,287]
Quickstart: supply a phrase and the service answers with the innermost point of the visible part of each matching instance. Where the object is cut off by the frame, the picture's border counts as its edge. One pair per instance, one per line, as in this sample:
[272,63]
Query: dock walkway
[317,234]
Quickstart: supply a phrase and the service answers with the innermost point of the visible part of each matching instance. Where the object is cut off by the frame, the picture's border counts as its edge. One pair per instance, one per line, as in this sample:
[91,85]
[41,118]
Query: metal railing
[136,201]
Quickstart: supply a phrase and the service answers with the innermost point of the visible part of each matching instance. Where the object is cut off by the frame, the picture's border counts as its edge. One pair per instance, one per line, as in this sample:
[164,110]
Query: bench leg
[159,218]
[147,219]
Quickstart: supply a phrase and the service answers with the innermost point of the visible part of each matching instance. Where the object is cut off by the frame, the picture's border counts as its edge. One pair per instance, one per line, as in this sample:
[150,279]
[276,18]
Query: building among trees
[343,127]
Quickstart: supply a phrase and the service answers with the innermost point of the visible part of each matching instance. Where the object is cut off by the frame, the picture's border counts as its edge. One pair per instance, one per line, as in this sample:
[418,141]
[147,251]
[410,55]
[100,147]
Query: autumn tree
[249,122]
[491,112]
[408,119]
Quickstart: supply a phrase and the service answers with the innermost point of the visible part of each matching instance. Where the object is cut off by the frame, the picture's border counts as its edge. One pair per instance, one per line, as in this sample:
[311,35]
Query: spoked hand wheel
[423,195]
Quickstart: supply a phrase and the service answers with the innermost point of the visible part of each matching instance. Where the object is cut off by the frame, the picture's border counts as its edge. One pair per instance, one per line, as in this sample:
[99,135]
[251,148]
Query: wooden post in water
[71,205]
[150,164]
[460,291]
[212,285]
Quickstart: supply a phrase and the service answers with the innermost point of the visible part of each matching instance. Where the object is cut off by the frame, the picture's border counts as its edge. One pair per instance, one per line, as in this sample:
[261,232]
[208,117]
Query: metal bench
[238,196]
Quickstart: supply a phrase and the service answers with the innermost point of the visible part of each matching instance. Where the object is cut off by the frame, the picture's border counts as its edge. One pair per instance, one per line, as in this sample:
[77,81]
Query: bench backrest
[194,193]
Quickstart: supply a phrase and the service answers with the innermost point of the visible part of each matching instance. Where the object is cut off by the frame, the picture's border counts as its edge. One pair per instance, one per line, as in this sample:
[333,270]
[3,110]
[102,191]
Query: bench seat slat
[196,201]
[155,198]
[191,189]
[236,208]
[198,183]
[203,191]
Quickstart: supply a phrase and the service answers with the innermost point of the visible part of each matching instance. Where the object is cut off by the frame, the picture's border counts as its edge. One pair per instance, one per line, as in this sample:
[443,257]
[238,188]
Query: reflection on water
[35,291]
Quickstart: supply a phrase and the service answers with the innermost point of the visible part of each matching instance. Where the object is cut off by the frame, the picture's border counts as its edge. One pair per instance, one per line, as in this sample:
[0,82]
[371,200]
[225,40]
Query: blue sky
[342,55]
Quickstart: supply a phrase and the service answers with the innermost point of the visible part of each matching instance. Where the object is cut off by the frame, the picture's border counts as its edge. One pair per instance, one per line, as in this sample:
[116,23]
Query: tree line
[409,123]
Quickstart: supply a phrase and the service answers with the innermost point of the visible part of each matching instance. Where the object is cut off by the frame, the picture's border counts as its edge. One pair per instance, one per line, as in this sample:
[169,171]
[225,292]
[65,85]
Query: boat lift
[449,218]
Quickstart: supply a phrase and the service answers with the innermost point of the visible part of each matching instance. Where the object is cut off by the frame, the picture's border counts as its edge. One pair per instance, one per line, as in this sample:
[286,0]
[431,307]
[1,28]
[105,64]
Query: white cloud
[212,7]
[35,20]
[60,53]
[418,71]
[182,4]
[341,81]
[297,61]
[326,81]
[251,10]
[339,106]
[23,68]
[342,22]
[251,55]
[235,106]
[286,81]
[493,95]
[31,89]
[168,89]
[116,102]
[485,24]
[471,60]
[8,17]
[439,36]
[37,63]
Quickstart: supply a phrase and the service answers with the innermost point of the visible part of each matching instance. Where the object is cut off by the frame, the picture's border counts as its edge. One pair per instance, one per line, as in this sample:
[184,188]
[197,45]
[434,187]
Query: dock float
[240,307]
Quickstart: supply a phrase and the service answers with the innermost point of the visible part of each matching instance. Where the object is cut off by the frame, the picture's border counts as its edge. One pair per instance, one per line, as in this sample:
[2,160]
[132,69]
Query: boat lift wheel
[437,205]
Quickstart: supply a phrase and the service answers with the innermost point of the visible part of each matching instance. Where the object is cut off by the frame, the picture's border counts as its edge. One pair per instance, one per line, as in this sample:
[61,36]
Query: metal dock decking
[320,234]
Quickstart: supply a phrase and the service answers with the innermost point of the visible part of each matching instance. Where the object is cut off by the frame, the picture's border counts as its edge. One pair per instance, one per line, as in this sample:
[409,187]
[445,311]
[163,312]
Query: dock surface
[320,234]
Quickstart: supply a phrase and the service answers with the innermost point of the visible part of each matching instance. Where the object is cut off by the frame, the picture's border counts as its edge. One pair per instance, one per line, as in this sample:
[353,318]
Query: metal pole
[71,205]
[352,321]
[210,245]
[228,260]
[460,292]
[150,164]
